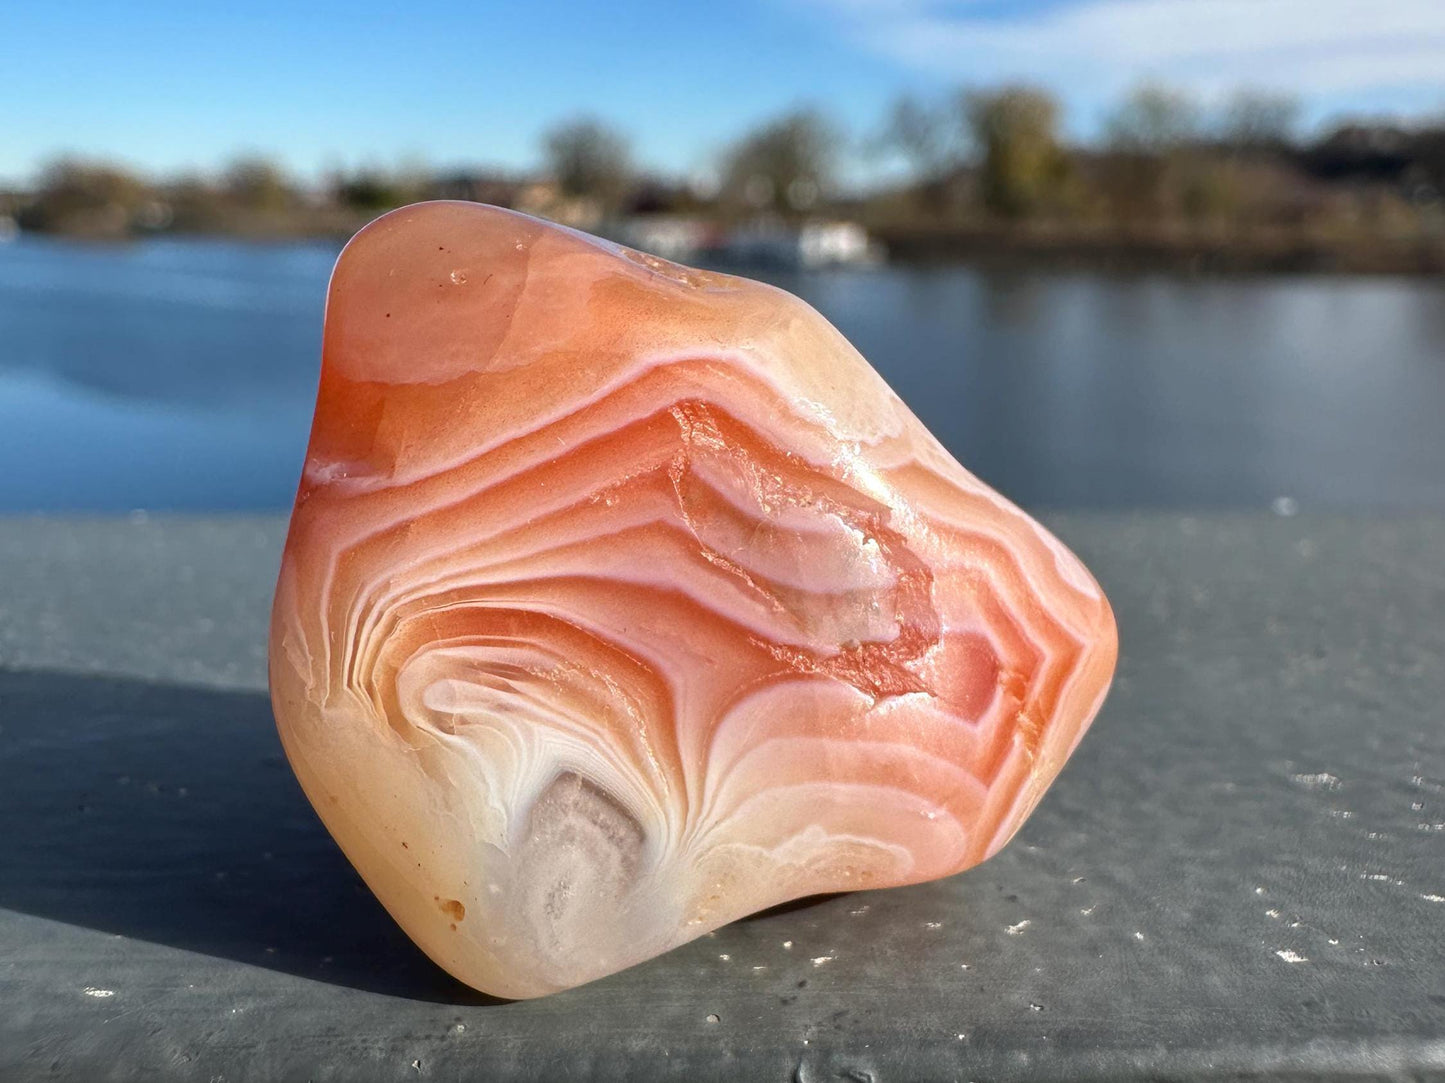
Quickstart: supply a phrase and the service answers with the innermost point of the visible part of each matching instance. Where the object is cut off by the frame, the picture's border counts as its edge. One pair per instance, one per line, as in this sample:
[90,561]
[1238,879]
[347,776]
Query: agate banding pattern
[622,600]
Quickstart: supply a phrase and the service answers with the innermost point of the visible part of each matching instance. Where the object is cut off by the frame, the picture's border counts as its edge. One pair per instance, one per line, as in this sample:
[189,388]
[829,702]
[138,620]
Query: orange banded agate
[622,600]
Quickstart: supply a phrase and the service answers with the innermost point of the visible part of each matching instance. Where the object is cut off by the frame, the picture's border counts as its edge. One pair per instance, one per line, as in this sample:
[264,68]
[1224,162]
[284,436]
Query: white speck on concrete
[99,994]
[787,945]
[1291,956]
[1321,781]
[821,960]
[1382,878]
[1272,914]
[1016,930]
[1433,898]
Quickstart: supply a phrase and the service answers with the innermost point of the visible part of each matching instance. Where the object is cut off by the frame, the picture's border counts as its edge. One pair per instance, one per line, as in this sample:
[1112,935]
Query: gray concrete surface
[1242,872]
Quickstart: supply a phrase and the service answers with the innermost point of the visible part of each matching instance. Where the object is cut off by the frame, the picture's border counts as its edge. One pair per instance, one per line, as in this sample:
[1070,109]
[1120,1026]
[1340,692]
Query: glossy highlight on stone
[622,600]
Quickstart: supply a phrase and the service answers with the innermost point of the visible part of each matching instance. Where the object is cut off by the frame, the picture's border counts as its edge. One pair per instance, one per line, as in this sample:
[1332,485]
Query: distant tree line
[992,156]
[1161,157]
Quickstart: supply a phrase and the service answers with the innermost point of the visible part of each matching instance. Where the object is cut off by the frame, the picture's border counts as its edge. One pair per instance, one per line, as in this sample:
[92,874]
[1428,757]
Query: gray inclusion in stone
[578,859]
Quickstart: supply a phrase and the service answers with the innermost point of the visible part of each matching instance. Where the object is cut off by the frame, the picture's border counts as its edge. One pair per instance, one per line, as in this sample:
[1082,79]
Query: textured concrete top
[1241,871]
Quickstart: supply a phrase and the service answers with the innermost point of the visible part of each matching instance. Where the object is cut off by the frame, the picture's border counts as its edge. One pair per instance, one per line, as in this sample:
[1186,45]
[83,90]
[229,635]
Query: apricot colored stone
[622,600]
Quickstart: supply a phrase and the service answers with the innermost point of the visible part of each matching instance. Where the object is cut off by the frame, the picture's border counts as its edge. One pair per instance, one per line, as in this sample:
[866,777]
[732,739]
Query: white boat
[675,237]
[812,245]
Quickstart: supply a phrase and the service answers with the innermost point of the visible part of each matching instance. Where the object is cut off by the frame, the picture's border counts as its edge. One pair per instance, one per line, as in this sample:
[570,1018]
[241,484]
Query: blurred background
[1115,253]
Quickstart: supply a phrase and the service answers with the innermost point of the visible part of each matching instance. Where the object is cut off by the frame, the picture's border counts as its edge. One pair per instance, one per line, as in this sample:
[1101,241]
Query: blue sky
[170,85]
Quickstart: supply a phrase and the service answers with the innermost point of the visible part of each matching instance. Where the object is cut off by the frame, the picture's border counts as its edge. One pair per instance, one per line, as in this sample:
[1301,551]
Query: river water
[180,374]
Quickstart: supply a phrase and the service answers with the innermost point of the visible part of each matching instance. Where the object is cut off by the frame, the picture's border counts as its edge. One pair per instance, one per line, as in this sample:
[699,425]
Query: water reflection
[180,374]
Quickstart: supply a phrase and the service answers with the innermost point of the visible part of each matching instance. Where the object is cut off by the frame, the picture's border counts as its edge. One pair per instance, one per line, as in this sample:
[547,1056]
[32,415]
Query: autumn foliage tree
[1022,166]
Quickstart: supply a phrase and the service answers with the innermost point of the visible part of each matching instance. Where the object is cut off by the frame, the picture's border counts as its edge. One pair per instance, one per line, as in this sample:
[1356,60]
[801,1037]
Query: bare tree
[589,159]
[1153,120]
[1161,166]
[258,184]
[1015,130]
[926,134]
[929,137]
[786,165]
[1259,120]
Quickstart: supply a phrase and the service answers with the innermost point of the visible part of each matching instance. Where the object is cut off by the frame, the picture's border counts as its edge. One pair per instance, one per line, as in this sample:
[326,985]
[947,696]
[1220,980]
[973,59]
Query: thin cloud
[1325,47]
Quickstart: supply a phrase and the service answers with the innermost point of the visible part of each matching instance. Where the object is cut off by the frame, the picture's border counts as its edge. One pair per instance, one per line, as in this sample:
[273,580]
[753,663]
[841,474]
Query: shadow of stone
[807,902]
[169,814]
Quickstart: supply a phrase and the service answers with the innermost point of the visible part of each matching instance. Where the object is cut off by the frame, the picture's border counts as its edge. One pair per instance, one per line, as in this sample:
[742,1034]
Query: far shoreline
[1177,249]
[1184,250]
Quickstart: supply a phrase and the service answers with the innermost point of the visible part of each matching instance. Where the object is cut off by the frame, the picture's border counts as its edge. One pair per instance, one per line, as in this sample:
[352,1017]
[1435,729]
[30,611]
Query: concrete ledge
[1241,873]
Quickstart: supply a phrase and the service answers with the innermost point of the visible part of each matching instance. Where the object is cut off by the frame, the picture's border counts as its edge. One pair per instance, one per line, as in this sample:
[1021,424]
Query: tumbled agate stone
[622,600]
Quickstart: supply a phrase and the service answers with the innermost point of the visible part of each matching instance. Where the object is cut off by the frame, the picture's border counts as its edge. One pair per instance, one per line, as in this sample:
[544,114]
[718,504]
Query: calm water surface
[180,375]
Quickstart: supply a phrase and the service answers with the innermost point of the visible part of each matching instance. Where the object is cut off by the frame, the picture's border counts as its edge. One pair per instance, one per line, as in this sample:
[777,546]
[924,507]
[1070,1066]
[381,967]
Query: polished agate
[622,600]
